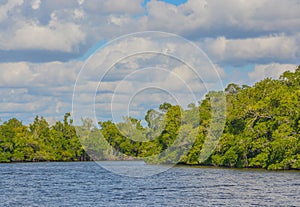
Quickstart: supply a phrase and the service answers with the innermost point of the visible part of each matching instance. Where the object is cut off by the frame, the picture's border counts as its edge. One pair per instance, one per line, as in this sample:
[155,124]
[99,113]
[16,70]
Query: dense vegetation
[39,141]
[262,130]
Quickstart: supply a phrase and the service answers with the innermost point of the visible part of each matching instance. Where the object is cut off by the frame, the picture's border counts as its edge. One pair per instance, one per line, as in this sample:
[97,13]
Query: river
[88,184]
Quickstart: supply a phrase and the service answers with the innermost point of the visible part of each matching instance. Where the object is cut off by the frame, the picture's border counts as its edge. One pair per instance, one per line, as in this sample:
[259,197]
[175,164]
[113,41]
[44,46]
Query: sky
[54,54]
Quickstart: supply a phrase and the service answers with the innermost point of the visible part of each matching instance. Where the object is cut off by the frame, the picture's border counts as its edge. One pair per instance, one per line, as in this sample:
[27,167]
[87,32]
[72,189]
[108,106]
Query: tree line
[261,130]
[39,141]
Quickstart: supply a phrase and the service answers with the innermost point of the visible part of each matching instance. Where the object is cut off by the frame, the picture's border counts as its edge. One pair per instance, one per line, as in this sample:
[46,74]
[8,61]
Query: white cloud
[234,32]
[35,4]
[26,109]
[273,70]
[143,76]
[56,73]
[9,6]
[24,74]
[79,14]
[15,74]
[19,107]
[166,16]
[55,36]
[114,6]
[80,1]
[68,25]
[37,89]
[275,47]
[228,16]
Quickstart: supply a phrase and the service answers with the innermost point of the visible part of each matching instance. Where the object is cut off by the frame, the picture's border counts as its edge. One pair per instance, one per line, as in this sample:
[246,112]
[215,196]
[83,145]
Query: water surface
[87,184]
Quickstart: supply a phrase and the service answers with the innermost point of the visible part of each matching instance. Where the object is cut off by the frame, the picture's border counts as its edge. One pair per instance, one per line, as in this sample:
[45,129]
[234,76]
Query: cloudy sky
[45,44]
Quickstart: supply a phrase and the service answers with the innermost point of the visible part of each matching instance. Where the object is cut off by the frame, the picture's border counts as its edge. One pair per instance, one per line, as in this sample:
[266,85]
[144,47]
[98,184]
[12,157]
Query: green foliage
[131,139]
[262,127]
[262,130]
[39,141]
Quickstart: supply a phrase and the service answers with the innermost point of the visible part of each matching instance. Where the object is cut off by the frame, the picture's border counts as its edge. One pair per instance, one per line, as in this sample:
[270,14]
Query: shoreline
[175,165]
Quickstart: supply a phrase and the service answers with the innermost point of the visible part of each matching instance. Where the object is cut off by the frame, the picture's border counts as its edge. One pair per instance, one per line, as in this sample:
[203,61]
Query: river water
[88,184]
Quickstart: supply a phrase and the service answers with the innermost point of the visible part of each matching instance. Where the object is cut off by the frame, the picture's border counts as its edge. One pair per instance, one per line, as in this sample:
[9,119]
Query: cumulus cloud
[24,74]
[8,7]
[55,36]
[232,33]
[269,48]
[74,26]
[15,74]
[227,17]
[31,88]
[35,4]
[114,6]
[273,70]
[141,70]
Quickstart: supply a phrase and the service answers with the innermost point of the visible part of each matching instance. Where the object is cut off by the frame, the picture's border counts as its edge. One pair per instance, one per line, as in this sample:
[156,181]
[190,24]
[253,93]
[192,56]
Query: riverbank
[174,165]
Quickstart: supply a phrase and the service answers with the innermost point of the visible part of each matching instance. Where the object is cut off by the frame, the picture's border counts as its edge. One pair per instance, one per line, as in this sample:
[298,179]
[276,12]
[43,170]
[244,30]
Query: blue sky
[45,44]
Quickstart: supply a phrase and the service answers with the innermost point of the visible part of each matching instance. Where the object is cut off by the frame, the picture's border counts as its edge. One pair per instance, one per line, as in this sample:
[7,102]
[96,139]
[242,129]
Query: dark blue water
[87,184]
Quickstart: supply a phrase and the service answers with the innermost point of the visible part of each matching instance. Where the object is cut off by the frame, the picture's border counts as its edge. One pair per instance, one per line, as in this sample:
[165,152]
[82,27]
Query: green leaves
[262,130]
[39,141]
[262,127]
